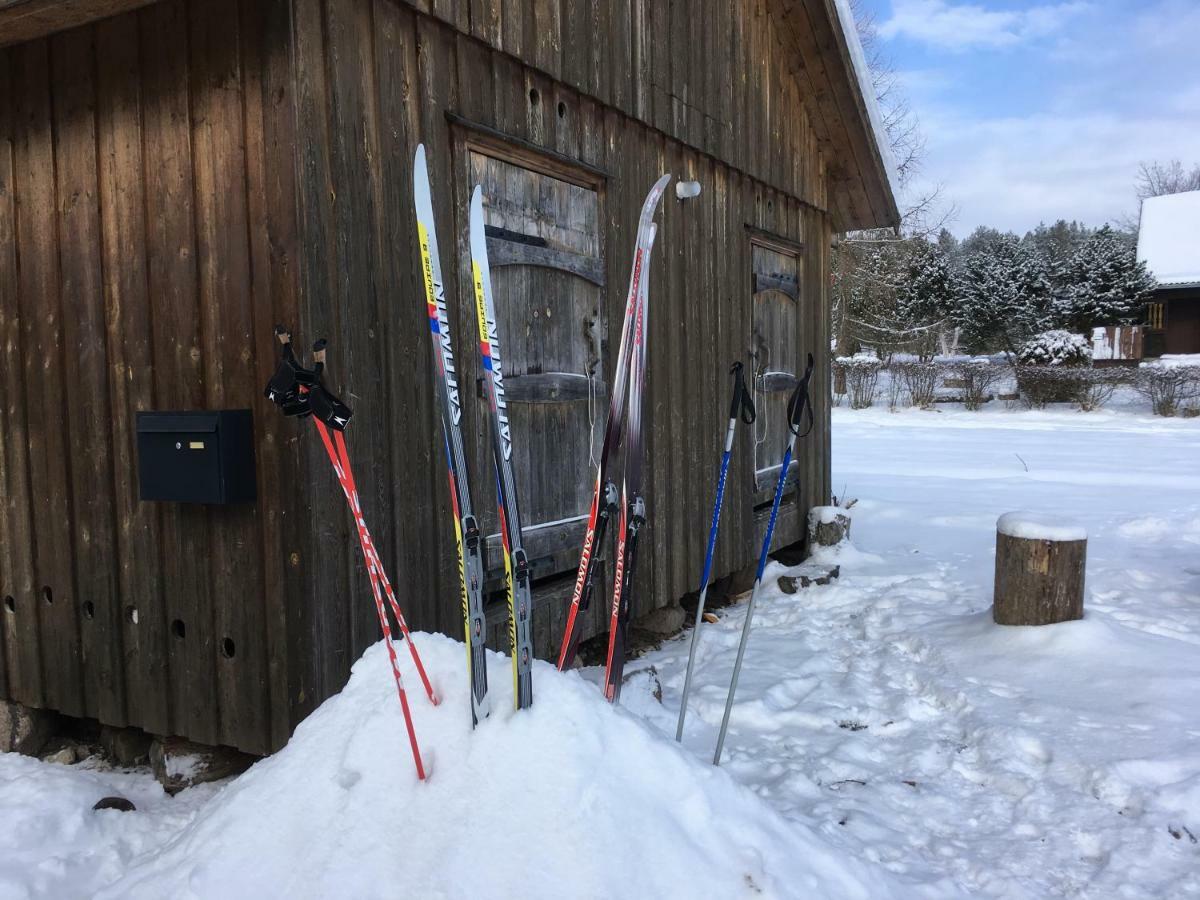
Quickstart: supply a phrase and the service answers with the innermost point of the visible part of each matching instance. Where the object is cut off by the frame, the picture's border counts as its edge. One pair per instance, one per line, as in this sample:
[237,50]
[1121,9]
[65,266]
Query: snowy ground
[888,740]
[891,715]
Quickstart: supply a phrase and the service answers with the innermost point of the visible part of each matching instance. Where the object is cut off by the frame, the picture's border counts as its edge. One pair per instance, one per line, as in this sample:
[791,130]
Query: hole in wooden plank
[178,629]
[47,595]
[228,648]
[89,609]
[534,97]
[10,604]
[131,615]
[562,109]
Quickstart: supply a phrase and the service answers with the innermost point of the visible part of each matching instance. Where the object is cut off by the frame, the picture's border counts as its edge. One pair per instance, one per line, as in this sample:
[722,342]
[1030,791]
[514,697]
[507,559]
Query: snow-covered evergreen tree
[926,293]
[1004,294]
[1103,283]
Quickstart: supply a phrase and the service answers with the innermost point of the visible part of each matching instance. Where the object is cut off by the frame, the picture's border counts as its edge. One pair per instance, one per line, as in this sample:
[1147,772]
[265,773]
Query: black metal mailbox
[196,457]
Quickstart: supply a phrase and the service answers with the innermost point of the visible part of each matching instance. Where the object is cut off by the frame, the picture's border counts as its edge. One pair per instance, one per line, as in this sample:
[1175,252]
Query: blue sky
[1042,110]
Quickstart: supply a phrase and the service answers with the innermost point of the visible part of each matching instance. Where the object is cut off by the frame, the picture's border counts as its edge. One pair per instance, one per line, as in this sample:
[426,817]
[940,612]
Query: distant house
[1169,245]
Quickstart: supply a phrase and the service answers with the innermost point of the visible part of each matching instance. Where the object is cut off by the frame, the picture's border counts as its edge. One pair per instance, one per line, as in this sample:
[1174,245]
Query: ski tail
[516,567]
[466,527]
[604,495]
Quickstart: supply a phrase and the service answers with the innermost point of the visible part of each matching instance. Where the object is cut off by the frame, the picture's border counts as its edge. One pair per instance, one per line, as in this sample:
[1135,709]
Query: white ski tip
[686,190]
[419,158]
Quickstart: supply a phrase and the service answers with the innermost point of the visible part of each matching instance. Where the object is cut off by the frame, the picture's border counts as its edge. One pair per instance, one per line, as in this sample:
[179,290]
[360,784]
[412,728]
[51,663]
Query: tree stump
[828,526]
[1039,570]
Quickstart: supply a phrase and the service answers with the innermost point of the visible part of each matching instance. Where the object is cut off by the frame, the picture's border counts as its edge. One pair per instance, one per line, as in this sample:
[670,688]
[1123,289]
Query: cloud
[964,26]
[1059,132]
[1012,172]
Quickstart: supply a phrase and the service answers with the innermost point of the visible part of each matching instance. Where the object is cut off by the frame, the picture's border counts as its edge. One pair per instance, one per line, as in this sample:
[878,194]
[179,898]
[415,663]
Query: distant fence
[1116,345]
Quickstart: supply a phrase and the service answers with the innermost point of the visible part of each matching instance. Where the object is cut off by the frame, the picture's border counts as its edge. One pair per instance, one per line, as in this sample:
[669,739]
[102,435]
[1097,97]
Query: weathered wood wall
[373,78]
[175,180]
[139,269]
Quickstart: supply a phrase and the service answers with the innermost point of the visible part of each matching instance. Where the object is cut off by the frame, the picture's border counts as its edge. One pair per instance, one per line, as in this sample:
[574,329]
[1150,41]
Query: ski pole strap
[285,389]
[325,405]
[799,404]
[300,392]
[743,402]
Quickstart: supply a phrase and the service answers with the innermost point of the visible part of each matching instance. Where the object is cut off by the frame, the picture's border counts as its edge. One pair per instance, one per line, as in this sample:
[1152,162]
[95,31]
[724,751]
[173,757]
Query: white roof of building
[845,19]
[1169,238]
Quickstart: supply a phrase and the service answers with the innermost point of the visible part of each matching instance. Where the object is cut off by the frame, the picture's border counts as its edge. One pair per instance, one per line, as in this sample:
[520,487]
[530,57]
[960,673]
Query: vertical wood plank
[285,486]
[95,612]
[178,355]
[313,639]
[410,399]
[364,329]
[42,345]
[21,626]
[131,387]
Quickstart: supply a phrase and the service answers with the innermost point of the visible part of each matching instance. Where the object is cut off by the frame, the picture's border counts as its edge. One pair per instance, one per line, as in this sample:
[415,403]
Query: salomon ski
[516,566]
[466,527]
[633,506]
[605,496]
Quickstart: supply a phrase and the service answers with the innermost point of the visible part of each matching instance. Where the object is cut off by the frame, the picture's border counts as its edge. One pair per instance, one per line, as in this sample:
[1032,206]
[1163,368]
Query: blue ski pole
[742,405]
[796,407]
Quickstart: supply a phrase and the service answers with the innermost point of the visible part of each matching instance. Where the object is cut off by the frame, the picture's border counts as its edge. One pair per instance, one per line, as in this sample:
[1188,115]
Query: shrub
[920,379]
[1040,385]
[1097,386]
[1056,348]
[977,377]
[1167,387]
[895,388]
[838,382]
[862,379]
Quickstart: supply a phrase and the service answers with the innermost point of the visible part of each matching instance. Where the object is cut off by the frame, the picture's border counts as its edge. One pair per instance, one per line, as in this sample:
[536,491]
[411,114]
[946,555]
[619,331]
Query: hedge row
[861,380]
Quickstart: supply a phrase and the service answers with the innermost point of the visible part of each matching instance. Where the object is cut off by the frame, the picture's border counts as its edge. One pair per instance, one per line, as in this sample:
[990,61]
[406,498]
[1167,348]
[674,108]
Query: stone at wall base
[25,730]
[808,575]
[125,746]
[179,764]
[663,622]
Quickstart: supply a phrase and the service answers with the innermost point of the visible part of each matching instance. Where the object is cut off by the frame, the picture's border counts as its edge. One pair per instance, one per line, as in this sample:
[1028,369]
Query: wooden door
[775,356]
[544,247]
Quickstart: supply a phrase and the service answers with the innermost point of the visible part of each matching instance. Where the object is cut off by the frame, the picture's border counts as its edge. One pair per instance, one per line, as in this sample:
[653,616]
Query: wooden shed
[178,176]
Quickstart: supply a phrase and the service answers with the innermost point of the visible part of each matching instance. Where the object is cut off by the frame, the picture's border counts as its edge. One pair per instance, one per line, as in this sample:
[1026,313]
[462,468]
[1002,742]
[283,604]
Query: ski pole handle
[742,402]
[283,335]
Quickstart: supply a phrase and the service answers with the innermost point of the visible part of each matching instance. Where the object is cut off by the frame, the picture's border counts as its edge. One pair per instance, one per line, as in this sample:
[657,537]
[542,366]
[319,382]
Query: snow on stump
[1039,570]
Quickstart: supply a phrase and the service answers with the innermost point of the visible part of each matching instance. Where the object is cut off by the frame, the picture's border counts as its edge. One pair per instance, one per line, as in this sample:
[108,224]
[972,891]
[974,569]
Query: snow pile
[571,798]
[1167,241]
[1032,526]
[1175,361]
